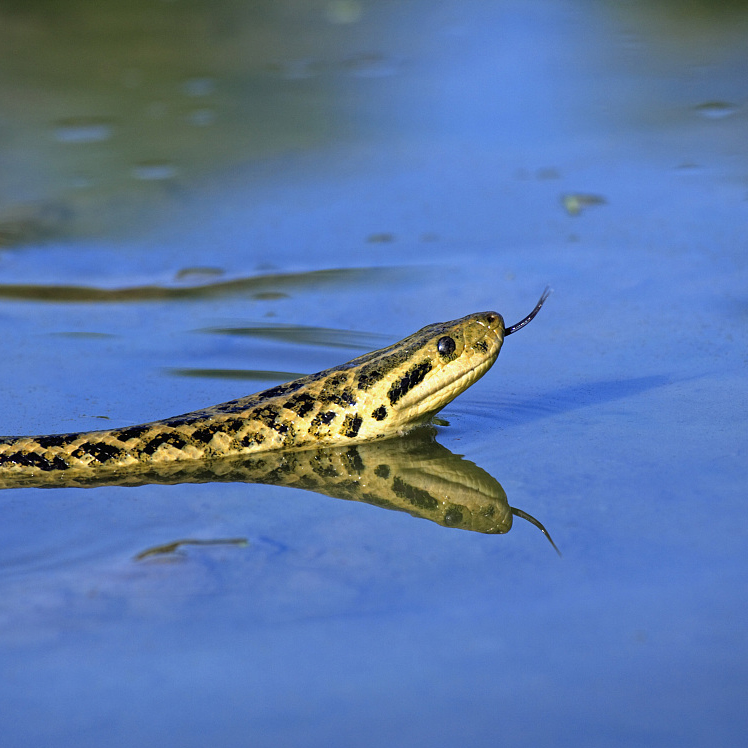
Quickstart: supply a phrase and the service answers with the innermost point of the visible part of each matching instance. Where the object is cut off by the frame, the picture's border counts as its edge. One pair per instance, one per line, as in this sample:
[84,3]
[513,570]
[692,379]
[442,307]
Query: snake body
[375,396]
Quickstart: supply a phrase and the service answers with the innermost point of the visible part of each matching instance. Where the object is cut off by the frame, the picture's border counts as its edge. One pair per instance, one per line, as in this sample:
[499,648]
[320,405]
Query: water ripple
[321,336]
[514,412]
[252,286]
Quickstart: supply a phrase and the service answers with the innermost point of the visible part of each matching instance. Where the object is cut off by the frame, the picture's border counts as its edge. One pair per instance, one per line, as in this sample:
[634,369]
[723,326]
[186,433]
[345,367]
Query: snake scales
[378,395]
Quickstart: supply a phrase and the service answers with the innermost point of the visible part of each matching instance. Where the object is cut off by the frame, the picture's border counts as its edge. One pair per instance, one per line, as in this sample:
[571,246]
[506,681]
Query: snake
[380,395]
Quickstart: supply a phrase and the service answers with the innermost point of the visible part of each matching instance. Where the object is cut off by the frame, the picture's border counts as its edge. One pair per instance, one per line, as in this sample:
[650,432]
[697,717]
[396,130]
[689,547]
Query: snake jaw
[428,399]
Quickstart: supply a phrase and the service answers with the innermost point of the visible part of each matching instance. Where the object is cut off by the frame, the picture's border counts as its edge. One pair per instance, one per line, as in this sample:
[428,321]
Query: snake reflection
[413,474]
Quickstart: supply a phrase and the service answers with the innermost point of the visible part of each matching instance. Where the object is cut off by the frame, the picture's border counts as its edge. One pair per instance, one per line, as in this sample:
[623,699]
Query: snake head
[412,380]
[407,383]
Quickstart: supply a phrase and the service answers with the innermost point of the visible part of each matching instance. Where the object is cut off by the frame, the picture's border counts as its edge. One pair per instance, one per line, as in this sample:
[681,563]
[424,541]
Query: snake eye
[445,346]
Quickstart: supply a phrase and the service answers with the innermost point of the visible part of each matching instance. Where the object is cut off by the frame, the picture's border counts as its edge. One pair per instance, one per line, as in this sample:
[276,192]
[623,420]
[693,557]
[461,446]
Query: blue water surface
[442,158]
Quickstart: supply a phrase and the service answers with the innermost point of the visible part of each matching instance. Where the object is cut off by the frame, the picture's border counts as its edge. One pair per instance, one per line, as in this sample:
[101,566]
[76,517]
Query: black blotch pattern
[31,459]
[416,496]
[234,406]
[343,398]
[177,421]
[205,434]
[351,425]
[300,404]
[230,427]
[321,419]
[175,440]
[269,415]
[325,470]
[277,476]
[415,376]
[337,379]
[251,439]
[233,425]
[100,451]
[54,440]
[379,414]
[355,462]
[482,346]
[283,389]
[134,432]
[376,500]
[308,482]
[367,379]
[347,397]
[326,417]
[382,471]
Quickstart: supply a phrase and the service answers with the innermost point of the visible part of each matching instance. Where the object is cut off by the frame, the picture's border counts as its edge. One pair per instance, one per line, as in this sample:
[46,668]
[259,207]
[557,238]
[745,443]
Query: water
[365,169]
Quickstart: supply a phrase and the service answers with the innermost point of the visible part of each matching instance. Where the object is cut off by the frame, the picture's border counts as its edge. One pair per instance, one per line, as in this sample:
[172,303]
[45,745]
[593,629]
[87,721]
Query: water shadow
[170,549]
[307,335]
[245,375]
[256,286]
[583,395]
